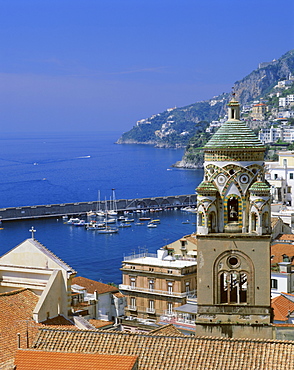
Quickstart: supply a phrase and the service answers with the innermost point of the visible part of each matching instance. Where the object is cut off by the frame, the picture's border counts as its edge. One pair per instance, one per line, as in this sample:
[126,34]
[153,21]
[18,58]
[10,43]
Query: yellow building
[258,111]
[156,284]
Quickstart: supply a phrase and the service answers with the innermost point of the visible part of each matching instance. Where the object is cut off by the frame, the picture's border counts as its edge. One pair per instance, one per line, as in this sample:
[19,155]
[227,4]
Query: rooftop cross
[32,230]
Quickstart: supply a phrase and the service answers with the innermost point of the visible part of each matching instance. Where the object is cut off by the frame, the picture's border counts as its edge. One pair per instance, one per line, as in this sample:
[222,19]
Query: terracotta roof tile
[282,306]
[286,237]
[58,321]
[16,311]
[36,360]
[159,352]
[92,285]
[278,249]
[168,329]
[98,324]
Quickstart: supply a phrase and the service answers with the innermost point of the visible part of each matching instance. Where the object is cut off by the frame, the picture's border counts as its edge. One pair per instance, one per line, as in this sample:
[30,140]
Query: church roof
[234,134]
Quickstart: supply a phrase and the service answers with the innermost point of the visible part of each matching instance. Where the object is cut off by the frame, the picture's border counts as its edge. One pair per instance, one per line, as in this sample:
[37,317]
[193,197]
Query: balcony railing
[190,293]
[132,308]
[150,310]
[139,255]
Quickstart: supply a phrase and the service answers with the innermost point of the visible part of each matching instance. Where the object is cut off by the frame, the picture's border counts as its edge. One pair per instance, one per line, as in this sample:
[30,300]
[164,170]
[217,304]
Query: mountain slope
[177,126]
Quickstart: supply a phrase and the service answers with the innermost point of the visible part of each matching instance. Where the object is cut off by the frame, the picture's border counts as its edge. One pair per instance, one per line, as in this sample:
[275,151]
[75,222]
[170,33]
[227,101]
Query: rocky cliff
[176,127]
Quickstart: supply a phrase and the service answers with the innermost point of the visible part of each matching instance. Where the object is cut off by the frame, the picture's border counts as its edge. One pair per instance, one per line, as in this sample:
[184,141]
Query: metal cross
[32,230]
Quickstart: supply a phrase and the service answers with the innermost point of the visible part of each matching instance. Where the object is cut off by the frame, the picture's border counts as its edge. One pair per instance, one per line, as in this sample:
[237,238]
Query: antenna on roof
[32,230]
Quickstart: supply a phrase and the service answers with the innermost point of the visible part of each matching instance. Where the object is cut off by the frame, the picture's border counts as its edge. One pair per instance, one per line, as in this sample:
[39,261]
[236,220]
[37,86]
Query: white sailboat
[99,211]
[113,211]
[107,229]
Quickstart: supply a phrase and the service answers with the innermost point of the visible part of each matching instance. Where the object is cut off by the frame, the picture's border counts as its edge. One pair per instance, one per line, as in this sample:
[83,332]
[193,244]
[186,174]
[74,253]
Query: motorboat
[151,225]
[128,220]
[110,220]
[80,223]
[125,224]
[157,221]
[72,221]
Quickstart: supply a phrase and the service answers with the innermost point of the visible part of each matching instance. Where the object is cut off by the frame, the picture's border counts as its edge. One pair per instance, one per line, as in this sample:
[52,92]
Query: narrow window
[133,282]
[133,303]
[170,288]
[233,209]
[291,175]
[187,287]
[151,307]
[151,285]
[274,283]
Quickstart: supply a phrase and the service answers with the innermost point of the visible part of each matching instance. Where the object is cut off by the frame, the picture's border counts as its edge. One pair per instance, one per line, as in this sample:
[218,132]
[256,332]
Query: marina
[72,182]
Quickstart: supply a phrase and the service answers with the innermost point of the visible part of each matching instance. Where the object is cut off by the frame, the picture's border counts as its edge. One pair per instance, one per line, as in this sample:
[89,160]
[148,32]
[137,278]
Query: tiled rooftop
[159,352]
[168,329]
[16,311]
[43,360]
[283,306]
[280,249]
[288,237]
[92,285]
[99,324]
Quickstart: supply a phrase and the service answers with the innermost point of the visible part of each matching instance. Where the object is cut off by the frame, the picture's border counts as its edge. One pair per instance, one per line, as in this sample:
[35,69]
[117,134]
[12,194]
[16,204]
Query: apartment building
[155,284]
[280,175]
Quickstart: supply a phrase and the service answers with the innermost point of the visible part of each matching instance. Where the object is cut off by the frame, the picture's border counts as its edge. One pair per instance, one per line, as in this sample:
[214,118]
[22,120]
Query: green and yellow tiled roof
[234,134]
[206,186]
[259,186]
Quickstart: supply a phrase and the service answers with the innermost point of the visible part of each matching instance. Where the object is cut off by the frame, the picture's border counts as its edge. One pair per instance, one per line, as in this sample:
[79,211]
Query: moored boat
[72,220]
[151,225]
[144,218]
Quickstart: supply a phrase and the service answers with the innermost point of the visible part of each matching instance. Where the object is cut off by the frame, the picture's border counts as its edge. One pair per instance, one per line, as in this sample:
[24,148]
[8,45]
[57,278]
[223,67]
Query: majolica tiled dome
[234,134]
[259,187]
[206,187]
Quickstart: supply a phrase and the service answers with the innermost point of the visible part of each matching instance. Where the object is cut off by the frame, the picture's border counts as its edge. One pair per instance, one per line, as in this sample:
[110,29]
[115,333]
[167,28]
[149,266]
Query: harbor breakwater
[79,208]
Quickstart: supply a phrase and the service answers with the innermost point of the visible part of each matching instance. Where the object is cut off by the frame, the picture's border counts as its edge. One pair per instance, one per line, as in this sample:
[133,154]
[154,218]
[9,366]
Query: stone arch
[265,222]
[212,222]
[254,221]
[200,218]
[233,278]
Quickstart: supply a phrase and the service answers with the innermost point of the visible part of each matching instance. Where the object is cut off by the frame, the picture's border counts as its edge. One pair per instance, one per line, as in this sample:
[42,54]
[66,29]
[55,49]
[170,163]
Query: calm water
[46,169]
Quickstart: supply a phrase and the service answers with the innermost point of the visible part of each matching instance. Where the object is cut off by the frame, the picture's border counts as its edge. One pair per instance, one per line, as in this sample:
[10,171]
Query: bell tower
[233,233]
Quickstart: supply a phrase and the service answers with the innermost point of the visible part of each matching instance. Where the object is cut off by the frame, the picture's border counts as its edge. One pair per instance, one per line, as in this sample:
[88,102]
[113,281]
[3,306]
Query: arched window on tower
[265,223]
[233,209]
[212,222]
[200,218]
[253,221]
[233,281]
[233,287]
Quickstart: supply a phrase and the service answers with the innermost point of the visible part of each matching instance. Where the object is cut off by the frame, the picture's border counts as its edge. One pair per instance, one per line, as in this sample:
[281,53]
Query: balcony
[150,310]
[132,308]
[129,288]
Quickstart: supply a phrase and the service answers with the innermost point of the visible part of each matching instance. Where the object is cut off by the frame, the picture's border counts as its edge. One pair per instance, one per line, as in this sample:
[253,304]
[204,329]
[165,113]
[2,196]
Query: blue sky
[103,65]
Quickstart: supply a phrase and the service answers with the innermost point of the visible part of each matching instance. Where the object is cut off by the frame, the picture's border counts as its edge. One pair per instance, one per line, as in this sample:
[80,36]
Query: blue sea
[73,167]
